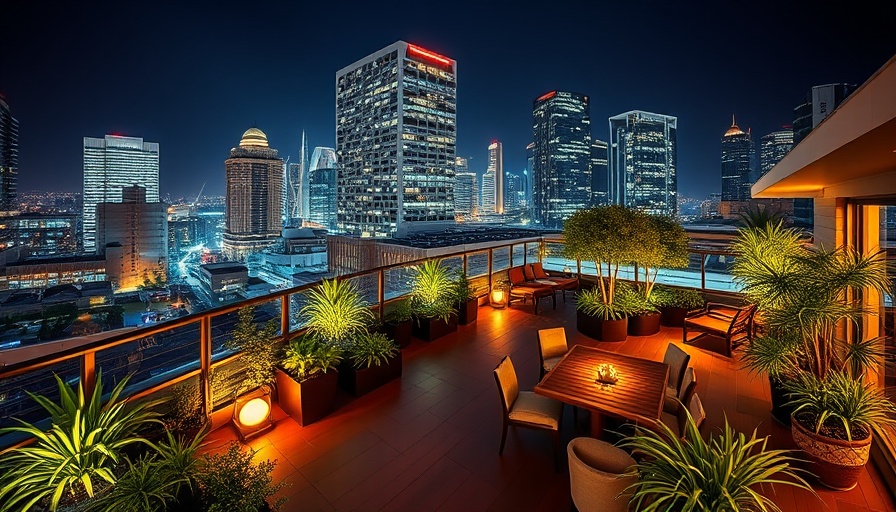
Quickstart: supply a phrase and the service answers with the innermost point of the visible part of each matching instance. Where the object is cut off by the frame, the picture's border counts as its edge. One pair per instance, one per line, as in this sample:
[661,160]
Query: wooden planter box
[400,332]
[309,400]
[468,312]
[837,463]
[430,329]
[601,330]
[644,325]
[363,381]
[673,317]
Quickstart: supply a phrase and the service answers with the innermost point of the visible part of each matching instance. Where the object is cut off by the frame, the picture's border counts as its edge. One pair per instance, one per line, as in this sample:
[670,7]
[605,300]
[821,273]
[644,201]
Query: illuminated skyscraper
[487,194]
[322,188]
[600,180]
[466,193]
[395,140]
[530,176]
[737,163]
[110,164]
[772,148]
[643,163]
[496,169]
[296,196]
[514,192]
[9,157]
[561,130]
[254,193]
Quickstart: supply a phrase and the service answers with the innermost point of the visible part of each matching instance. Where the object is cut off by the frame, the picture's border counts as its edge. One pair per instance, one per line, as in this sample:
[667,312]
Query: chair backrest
[695,407]
[597,475]
[515,275]
[688,385]
[677,360]
[509,387]
[528,272]
[741,321]
[538,270]
[552,342]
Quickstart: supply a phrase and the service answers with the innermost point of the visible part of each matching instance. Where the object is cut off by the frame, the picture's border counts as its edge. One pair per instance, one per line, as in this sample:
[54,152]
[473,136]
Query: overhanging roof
[852,153]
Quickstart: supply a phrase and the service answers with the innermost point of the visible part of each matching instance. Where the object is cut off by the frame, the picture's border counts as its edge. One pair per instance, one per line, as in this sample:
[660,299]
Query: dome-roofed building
[738,154]
[254,137]
[734,130]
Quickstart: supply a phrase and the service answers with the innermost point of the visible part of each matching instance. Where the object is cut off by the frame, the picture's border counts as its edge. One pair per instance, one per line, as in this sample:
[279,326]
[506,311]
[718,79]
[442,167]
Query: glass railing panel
[226,382]
[399,281]
[477,264]
[532,252]
[296,302]
[150,360]
[368,287]
[519,254]
[500,258]
[182,405]
[14,399]
[224,325]
[718,273]
[454,263]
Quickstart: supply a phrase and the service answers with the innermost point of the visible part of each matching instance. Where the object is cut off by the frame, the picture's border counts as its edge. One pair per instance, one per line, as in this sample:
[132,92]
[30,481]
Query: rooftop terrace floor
[430,440]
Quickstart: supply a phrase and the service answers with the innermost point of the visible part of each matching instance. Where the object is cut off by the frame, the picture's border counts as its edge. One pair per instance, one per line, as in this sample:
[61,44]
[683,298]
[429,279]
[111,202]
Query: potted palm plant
[397,322]
[307,379]
[693,474]
[467,303]
[662,243]
[806,297]
[604,235]
[373,360]
[432,296]
[335,313]
[675,303]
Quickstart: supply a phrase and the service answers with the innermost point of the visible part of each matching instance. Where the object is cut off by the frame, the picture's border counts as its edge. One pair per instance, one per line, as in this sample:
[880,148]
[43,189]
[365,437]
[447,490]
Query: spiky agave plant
[692,474]
[434,290]
[80,449]
[335,311]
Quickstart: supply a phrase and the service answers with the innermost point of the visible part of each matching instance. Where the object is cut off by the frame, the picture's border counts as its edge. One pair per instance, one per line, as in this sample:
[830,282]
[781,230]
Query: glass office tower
[110,164]
[322,188]
[600,180]
[496,169]
[9,157]
[737,163]
[466,196]
[643,162]
[561,131]
[772,148]
[395,140]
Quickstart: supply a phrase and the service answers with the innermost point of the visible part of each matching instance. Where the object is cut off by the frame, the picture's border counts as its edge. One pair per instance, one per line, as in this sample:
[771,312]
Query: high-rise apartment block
[487,194]
[133,235]
[774,147]
[514,192]
[9,157]
[561,131]
[322,188]
[496,169]
[254,193]
[111,164]
[643,168]
[738,154]
[396,132]
[600,179]
[466,196]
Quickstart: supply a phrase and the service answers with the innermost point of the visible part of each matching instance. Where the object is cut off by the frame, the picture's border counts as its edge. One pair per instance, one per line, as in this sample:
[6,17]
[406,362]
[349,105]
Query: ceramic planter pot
[309,400]
[400,332]
[602,330]
[468,311]
[673,316]
[430,329]
[644,325]
[363,381]
[837,463]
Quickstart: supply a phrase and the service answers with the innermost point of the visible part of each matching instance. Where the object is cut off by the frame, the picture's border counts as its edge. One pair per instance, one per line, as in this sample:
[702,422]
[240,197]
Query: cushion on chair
[551,362]
[507,382]
[539,272]
[515,275]
[536,410]
[527,271]
[671,404]
[710,323]
[552,342]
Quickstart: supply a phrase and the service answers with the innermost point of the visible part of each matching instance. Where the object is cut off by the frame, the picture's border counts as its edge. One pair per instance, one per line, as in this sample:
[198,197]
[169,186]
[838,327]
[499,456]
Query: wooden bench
[733,324]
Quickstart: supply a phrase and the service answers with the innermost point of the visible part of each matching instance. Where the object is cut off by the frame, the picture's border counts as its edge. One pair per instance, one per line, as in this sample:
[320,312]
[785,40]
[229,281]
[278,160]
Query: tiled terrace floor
[430,441]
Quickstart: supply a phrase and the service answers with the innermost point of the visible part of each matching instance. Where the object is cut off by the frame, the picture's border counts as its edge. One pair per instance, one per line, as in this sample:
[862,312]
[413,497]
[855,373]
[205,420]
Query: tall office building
[737,163]
[110,164]
[600,179]
[496,168]
[466,194]
[254,194]
[643,168]
[774,147]
[133,235]
[514,192]
[487,195]
[818,103]
[561,131]
[395,139]
[530,176]
[322,188]
[9,157]
[296,196]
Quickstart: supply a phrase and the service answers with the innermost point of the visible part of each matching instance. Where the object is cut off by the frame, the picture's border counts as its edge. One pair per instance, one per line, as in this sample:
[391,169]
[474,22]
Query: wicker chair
[688,386]
[551,348]
[526,409]
[678,360]
[597,479]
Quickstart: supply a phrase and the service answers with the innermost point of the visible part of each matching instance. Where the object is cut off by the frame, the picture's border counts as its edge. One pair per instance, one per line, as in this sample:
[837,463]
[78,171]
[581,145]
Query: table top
[637,395]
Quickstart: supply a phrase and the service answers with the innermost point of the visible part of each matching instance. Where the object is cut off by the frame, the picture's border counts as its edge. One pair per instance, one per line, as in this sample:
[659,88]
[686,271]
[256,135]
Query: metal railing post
[381,292]
[702,271]
[205,364]
[88,372]
[284,316]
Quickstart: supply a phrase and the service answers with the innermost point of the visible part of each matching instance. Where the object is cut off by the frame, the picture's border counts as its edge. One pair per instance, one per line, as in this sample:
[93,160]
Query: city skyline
[190,102]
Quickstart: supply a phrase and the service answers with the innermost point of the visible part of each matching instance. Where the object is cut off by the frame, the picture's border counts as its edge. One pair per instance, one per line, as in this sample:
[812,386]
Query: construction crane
[198,195]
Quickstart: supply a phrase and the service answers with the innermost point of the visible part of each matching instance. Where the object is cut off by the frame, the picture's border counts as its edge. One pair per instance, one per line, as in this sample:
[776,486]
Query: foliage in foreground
[231,482]
[306,357]
[725,473]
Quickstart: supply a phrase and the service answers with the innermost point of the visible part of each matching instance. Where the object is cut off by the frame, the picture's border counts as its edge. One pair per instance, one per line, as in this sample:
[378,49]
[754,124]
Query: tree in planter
[77,455]
[434,290]
[605,235]
[663,244]
[335,312]
[698,475]
[259,349]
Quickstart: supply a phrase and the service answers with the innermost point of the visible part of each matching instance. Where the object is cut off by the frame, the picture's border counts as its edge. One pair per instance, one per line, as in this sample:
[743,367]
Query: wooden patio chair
[560,284]
[733,324]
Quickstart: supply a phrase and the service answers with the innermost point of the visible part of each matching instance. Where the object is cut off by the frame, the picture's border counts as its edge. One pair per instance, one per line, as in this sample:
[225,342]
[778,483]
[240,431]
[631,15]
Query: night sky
[193,78]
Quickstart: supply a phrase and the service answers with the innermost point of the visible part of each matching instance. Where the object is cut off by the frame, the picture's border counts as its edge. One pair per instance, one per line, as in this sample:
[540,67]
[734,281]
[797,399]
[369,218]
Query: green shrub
[669,297]
[306,357]
[372,349]
[231,482]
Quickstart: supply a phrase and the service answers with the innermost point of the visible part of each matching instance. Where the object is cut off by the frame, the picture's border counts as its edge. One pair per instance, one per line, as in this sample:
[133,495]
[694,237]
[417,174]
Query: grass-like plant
[306,357]
[627,301]
[434,291]
[724,473]
[78,452]
[231,482]
[178,459]
[669,297]
[258,349]
[839,406]
[144,487]
[372,349]
[335,312]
